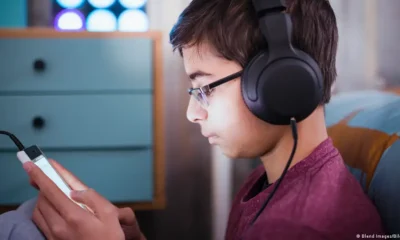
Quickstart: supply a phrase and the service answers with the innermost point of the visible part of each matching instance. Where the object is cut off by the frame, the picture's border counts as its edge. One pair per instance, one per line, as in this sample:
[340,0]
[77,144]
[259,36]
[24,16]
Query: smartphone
[34,154]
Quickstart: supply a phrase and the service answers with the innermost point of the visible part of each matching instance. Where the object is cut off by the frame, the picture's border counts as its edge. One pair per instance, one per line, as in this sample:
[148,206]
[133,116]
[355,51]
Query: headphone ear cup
[282,89]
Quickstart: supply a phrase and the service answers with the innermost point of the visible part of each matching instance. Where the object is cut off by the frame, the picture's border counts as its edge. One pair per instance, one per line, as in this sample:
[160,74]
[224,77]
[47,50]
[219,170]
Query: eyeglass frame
[207,89]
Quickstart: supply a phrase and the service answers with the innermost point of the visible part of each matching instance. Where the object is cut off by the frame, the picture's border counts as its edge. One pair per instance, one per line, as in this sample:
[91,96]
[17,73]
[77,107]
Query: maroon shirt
[318,199]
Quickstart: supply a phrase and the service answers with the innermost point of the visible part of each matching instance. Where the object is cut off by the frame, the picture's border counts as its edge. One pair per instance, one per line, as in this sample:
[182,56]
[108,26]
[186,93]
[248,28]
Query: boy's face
[226,121]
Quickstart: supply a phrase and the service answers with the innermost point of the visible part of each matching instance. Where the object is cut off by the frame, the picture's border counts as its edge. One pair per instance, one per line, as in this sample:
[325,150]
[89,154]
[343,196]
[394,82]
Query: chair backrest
[365,127]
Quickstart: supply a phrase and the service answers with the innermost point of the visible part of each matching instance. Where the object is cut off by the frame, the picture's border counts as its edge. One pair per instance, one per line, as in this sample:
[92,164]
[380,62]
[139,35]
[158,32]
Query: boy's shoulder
[328,202]
[319,198]
[338,205]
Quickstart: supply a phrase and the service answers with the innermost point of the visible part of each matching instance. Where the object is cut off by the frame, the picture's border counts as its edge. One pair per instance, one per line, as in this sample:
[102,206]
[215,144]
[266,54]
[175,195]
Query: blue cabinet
[91,101]
[13,13]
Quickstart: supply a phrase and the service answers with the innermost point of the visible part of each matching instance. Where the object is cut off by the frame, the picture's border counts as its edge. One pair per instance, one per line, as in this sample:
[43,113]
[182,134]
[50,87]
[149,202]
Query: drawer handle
[38,122]
[39,65]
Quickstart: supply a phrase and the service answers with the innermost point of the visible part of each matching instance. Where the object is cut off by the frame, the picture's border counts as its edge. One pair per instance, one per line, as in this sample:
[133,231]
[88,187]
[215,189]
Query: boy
[317,198]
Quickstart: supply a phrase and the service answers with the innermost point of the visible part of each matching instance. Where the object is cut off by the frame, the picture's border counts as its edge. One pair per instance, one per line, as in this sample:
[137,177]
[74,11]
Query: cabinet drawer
[78,121]
[76,64]
[123,176]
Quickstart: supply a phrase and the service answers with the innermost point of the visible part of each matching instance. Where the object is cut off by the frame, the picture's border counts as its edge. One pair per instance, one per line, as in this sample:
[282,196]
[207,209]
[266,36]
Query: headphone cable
[19,145]
[295,137]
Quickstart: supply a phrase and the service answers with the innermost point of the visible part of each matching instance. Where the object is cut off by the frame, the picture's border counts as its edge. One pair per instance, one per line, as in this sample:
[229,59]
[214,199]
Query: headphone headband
[275,25]
[269,5]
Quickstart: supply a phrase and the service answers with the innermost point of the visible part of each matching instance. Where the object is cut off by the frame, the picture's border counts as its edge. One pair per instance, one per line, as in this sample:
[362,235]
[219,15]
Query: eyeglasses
[201,93]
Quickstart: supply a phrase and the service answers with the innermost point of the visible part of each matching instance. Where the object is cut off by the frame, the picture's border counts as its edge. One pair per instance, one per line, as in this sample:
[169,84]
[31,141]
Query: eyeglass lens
[200,97]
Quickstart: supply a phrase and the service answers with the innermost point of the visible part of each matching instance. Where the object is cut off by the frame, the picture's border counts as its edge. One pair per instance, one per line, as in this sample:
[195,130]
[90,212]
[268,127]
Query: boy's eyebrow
[198,73]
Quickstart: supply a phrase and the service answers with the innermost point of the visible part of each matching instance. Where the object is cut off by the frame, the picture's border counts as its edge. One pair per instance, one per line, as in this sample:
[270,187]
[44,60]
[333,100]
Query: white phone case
[42,162]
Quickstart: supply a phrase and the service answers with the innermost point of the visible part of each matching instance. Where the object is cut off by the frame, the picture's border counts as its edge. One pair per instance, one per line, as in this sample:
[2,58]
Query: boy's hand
[59,218]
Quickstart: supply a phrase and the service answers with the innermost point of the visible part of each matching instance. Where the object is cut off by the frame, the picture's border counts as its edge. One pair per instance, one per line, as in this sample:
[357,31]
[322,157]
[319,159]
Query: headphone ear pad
[250,78]
[275,91]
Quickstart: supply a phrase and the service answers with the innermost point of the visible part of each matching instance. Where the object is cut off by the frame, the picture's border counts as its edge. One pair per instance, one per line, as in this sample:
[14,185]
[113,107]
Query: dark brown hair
[231,28]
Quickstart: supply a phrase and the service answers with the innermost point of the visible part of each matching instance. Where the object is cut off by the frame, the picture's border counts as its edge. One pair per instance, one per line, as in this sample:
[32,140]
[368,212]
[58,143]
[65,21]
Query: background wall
[357,52]
[388,34]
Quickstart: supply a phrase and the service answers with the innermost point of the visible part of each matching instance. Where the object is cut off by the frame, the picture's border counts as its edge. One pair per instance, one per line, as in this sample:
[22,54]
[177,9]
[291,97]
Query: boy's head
[218,39]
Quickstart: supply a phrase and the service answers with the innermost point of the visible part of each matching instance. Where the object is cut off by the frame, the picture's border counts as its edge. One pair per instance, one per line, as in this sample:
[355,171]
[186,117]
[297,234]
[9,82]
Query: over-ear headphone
[281,82]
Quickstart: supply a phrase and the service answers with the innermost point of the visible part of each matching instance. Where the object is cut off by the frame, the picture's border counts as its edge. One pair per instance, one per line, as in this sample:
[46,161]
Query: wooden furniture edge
[159,201]
[37,32]
[158,121]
